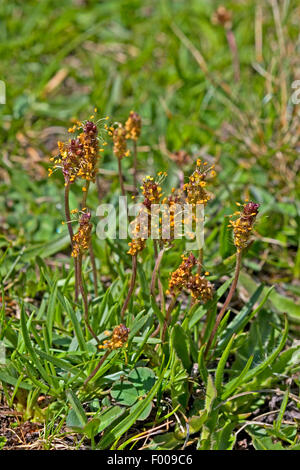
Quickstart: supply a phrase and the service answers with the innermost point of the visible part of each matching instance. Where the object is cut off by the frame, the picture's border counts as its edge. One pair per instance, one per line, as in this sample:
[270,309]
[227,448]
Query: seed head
[151,191]
[118,338]
[223,17]
[81,239]
[137,243]
[119,140]
[180,277]
[195,188]
[242,227]
[133,126]
[200,288]
[79,156]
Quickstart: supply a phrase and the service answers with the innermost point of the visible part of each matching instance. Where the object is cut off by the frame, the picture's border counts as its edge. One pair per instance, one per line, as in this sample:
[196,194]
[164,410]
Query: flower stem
[91,251]
[71,233]
[103,358]
[85,300]
[235,57]
[85,194]
[156,271]
[167,317]
[227,301]
[131,287]
[200,261]
[94,268]
[121,177]
[135,166]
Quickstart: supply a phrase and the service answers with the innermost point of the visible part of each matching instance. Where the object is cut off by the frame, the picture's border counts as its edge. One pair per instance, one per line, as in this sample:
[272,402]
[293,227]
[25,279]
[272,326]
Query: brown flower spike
[82,238]
[78,157]
[200,288]
[118,338]
[133,126]
[180,277]
[120,144]
[242,227]
[195,188]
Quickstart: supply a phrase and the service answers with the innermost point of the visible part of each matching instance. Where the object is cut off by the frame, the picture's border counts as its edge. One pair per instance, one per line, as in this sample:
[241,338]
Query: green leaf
[211,394]
[281,303]
[260,439]
[113,435]
[242,318]
[9,379]
[51,311]
[201,363]
[221,365]
[270,359]
[224,439]
[47,249]
[143,379]
[30,348]
[76,406]
[124,393]
[107,417]
[181,345]
[144,415]
[76,324]
[231,386]
[283,406]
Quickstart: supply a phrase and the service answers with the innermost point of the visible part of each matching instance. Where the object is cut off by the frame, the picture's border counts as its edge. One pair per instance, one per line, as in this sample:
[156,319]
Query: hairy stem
[103,358]
[131,287]
[85,300]
[227,301]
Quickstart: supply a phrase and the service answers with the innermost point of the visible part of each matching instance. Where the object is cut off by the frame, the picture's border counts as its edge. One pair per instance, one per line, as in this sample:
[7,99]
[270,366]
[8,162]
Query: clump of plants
[158,345]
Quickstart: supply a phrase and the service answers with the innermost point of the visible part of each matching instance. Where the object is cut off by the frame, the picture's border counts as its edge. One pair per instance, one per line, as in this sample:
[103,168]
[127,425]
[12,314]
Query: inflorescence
[118,338]
[183,278]
[79,156]
[242,227]
[82,237]
[152,194]
[119,140]
[133,126]
[195,188]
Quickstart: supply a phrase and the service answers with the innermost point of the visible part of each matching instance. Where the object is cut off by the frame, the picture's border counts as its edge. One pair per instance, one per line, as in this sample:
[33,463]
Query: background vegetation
[172,64]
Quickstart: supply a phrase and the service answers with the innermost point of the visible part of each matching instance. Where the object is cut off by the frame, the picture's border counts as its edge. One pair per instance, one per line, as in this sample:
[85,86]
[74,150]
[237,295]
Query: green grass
[169,62]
